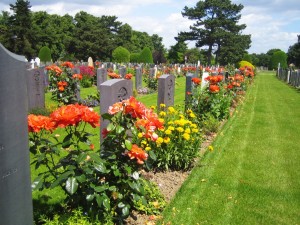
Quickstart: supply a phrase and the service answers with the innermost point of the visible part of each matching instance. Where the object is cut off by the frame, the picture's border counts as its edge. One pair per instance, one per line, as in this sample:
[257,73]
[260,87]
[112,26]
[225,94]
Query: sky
[271,23]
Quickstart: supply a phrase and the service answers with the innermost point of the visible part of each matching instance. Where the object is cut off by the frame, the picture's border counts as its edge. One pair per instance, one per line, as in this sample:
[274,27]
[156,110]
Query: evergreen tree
[294,54]
[20,23]
[217,28]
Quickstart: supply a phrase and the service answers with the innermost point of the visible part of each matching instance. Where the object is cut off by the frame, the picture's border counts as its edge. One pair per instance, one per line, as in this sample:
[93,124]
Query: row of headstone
[289,76]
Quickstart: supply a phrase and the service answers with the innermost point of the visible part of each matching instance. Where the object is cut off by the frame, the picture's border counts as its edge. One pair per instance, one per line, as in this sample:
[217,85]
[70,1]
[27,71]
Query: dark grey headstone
[166,86]
[101,76]
[122,71]
[112,91]
[152,72]
[138,78]
[15,181]
[35,88]
[188,85]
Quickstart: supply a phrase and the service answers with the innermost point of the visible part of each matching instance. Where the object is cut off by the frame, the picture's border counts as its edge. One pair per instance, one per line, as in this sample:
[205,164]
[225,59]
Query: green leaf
[67,141]
[100,167]
[90,197]
[125,210]
[121,205]
[106,203]
[128,144]
[110,127]
[100,188]
[81,178]
[96,157]
[37,183]
[152,155]
[119,129]
[71,185]
[61,178]
[136,175]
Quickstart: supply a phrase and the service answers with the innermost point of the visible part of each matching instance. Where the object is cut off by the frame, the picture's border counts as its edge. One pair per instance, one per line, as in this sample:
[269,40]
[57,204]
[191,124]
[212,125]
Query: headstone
[122,71]
[138,78]
[90,62]
[37,61]
[188,85]
[76,70]
[101,76]
[35,88]
[15,180]
[204,82]
[152,73]
[112,91]
[166,86]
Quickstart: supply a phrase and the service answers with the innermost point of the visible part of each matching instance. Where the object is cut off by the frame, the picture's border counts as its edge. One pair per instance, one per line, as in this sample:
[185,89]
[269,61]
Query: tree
[194,55]
[215,27]
[279,57]
[45,54]
[294,54]
[146,55]
[121,55]
[20,25]
[177,51]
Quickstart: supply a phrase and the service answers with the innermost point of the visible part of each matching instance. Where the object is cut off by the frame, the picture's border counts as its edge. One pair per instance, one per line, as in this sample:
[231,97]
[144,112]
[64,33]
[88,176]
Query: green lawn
[253,174]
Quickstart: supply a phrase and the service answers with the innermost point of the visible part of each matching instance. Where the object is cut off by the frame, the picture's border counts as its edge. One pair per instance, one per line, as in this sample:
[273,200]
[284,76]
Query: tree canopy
[216,27]
[71,38]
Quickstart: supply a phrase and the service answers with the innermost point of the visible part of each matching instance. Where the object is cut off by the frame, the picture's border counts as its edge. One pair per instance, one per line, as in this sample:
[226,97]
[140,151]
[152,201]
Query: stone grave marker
[188,85]
[122,71]
[90,62]
[35,88]
[204,82]
[166,86]
[76,70]
[101,76]
[15,180]
[138,78]
[152,73]
[112,91]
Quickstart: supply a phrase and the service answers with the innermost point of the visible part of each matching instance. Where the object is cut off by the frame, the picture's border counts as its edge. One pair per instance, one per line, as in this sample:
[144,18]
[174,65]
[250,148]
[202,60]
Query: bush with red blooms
[63,84]
[104,183]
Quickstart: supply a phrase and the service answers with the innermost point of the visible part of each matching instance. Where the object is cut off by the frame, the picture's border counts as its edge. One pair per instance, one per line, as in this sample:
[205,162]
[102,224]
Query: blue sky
[271,23]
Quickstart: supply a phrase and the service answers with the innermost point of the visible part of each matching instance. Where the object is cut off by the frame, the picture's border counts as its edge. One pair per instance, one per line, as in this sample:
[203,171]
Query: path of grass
[253,174]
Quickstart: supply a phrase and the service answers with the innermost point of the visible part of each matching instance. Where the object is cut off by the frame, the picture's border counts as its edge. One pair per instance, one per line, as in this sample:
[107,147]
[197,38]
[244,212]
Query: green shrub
[209,124]
[244,63]
[146,56]
[45,54]
[121,55]
[135,57]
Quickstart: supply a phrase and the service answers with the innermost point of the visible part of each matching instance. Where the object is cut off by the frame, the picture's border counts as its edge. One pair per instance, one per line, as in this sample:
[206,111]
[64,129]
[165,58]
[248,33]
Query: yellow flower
[162,113]
[180,129]
[148,148]
[171,110]
[181,116]
[140,135]
[162,105]
[159,141]
[194,125]
[192,115]
[161,120]
[144,142]
[152,107]
[194,130]
[210,148]
[171,128]
[168,132]
[166,140]
[186,136]
[189,111]
[170,122]
[187,130]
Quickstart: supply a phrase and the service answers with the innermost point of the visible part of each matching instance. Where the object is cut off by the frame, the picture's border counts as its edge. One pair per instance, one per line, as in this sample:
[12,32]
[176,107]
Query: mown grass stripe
[253,175]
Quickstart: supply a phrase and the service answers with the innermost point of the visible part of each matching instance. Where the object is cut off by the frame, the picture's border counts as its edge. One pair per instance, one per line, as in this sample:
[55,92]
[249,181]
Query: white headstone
[204,82]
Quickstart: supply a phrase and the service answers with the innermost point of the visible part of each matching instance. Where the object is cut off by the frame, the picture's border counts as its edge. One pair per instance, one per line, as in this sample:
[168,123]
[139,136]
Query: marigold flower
[168,132]
[137,153]
[159,141]
[167,140]
[162,113]
[180,129]
[171,109]
[115,108]
[128,76]
[92,146]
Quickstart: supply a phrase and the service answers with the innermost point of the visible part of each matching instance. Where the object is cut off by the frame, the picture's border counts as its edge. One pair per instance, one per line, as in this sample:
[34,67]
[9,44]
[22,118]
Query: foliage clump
[146,56]
[244,63]
[121,55]
[45,54]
